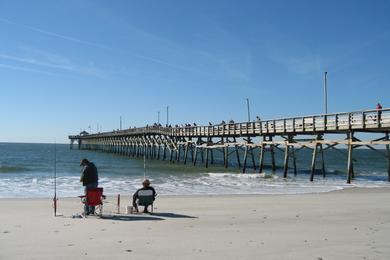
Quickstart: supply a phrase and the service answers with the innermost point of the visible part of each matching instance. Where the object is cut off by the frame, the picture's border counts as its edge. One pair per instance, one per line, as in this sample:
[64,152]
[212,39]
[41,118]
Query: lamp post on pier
[167,116]
[325,92]
[249,114]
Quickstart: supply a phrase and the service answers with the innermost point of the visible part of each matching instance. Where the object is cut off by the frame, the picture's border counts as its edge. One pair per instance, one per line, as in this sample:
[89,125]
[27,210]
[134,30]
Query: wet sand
[348,224]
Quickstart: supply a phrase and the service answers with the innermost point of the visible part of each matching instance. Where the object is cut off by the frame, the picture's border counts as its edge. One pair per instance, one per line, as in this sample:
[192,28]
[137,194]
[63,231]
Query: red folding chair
[95,198]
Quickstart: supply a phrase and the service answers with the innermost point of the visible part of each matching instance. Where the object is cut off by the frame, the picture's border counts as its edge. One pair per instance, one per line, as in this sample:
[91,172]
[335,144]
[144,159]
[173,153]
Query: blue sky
[67,65]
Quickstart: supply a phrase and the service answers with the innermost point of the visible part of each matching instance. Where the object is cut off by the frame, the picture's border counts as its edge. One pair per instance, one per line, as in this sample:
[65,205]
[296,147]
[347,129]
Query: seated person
[145,186]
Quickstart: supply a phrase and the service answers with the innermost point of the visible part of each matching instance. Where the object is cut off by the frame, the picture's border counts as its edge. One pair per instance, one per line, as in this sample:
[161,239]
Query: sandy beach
[349,224]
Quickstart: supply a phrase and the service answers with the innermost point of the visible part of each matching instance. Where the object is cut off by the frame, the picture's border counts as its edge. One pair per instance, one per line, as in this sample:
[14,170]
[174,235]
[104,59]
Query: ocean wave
[202,184]
[262,175]
[12,168]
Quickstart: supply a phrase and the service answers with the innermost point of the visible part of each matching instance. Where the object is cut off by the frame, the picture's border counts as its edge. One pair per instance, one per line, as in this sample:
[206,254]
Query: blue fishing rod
[55,180]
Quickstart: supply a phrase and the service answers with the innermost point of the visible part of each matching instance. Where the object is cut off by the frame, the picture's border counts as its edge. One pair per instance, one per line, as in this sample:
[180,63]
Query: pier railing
[369,121]
[365,121]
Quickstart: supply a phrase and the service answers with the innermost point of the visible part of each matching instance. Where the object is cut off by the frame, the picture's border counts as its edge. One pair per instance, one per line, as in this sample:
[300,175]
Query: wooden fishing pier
[315,132]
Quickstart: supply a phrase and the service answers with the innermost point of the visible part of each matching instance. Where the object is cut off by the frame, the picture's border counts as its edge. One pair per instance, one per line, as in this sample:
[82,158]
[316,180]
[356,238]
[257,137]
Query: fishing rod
[145,163]
[55,180]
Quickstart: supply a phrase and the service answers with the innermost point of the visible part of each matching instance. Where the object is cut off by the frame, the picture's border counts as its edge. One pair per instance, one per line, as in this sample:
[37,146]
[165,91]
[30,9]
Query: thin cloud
[305,64]
[63,65]
[93,44]
[64,37]
[36,62]
[7,66]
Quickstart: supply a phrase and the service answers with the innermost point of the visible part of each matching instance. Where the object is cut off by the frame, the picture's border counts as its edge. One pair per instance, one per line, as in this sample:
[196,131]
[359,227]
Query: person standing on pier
[89,178]
[379,108]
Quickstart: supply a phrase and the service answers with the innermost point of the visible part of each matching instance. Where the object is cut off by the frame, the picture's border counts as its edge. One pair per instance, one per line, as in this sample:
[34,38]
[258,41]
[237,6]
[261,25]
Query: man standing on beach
[89,178]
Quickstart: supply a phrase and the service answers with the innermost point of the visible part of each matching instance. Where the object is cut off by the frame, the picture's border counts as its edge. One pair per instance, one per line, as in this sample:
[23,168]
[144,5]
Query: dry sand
[349,224]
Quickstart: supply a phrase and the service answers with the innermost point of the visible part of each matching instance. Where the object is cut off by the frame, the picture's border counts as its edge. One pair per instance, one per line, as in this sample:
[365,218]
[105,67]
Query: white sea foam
[181,184]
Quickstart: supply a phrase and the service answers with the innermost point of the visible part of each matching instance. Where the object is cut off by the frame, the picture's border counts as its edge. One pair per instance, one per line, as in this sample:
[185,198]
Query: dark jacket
[90,174]
[135,196]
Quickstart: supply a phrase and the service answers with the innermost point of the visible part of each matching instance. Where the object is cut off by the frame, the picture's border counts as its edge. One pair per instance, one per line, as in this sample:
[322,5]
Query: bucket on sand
[129,210]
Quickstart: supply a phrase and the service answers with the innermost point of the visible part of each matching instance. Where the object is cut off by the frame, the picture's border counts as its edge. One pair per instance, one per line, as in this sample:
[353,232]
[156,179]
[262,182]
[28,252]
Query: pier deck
[154,142]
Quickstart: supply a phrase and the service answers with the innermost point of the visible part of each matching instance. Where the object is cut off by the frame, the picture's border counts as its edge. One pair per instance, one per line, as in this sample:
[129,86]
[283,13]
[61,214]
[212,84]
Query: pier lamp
[167,115]
[325,93]
[249,114]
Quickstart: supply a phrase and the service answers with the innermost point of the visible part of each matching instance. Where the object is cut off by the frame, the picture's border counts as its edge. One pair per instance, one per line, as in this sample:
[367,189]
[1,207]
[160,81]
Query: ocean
[27,171]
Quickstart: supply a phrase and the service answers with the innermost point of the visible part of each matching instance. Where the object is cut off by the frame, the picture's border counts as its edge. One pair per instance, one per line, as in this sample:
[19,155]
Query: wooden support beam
[202,154]
[192,152]
[186,153]
[170,154]
[350,163]
[272,156]
[226,156]
[245,157]
[294,160]
[207,157]
[253,159]
[178,153]
[337,150]
[261,159]
[195,155]
[369,146]
[238,156]
[286,157]
[388,157]
[211,156]
[164,152]
[322,161]
[313,163]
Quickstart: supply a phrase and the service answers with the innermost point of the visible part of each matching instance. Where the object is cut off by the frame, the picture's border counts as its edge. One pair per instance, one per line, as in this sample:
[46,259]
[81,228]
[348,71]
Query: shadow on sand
[131,217]
[171,215]
[144,217]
